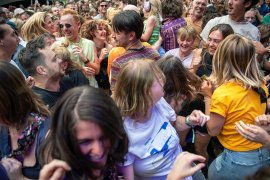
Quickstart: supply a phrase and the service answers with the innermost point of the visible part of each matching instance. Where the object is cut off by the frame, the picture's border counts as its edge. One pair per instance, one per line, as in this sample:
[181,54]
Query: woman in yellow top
[240,95]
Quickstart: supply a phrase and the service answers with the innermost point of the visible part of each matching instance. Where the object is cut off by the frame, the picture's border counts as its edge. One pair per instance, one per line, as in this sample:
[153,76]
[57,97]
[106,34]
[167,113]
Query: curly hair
[171,8]
[89,27]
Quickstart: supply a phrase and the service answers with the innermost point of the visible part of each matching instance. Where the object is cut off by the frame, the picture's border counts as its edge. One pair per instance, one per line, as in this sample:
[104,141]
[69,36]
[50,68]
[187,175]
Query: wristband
[86,62]
[187,122]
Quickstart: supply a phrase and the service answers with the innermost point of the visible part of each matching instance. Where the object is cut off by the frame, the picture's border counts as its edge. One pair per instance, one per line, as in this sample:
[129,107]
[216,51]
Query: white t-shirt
[154,144]
[186,61]
[245,29]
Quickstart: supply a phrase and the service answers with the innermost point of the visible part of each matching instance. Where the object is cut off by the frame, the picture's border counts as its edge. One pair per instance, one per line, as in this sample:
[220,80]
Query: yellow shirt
[235,103]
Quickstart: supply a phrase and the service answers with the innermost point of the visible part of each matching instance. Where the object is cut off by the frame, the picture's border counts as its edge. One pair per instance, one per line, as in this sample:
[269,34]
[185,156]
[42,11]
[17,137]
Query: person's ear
[131,35]
[41,70]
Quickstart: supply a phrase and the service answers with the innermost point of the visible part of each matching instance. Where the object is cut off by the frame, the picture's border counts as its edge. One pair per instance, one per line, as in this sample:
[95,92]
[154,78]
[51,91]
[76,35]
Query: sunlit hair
[235,59]
[89,28]
[17,100]
[179,81]
[71,12]
[62,53]
[132,90]
[186,32]
[155,7]
[34,26]
[89,105]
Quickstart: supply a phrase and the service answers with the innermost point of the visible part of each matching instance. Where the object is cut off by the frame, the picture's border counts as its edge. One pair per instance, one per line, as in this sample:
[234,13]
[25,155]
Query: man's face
[250,16]
[121,39]
[69,27]
[10,40]
[102,8]
[237,7]
[52,66]
[199,7]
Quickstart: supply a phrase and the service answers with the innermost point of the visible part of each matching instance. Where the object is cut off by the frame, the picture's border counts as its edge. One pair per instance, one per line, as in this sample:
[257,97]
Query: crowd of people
[135,89]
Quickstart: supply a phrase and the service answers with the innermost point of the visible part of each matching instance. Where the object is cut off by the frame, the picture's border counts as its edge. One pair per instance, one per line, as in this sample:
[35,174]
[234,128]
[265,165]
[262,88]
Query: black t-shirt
[78,78]
[50,97]
[206,67]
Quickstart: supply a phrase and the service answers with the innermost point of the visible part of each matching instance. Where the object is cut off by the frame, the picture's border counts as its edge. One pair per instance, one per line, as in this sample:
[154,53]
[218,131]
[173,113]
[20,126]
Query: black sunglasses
[105,5]
[66,25]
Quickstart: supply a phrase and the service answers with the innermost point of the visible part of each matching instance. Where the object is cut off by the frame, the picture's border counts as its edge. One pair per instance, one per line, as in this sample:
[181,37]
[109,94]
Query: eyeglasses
[103,5]
[66,25]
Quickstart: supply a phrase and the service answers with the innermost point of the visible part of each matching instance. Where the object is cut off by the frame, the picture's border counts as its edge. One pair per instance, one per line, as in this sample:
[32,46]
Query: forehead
[250,13]
[67,17]
[7,28]
[103,3]
[216,35]
[48,53]
[86,129]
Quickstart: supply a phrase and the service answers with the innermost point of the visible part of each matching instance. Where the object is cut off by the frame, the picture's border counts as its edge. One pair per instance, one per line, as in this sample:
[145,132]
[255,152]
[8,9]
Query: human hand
[207,89]
[13,168]
[88,71]
[252,132]
[197,59]
[260,49]
[76,50]
[198,118]
[55,170]
[103,53]
[183,166]
[30,82]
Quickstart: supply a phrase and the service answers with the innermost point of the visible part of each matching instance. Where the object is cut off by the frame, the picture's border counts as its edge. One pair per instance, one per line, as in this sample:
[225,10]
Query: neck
[5,56]
[75,39]
[52,84]
[99,43]
[195,18]
[239,18]
[184,54]
[135,44]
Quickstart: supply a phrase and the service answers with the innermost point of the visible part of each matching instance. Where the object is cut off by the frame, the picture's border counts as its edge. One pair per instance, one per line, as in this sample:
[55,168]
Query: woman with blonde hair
[185,37]
[39,23]
[240,95]
[149,121]
[151,10]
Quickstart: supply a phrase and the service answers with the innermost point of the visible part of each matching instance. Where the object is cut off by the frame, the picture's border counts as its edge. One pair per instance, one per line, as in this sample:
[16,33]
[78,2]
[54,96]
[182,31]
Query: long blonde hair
[132,91]
[34,26]
[235,59]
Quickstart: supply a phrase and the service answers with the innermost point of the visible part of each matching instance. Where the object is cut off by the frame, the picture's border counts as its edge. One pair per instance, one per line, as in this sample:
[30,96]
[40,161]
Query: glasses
[103,5]
[66,25]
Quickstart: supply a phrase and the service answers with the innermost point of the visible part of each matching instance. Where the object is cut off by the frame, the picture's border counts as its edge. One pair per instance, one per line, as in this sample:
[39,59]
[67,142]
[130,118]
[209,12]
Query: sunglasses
[105,5]
[66,25]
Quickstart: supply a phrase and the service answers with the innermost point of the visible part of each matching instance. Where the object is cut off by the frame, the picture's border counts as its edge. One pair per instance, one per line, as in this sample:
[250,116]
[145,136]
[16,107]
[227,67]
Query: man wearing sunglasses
[102,7]
[82,50]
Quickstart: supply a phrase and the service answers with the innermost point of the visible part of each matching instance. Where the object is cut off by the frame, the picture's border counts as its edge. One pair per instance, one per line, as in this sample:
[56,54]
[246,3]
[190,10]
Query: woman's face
[49,25]
[93,143]
[100,33]
[214,38]
[157,91]
[186,45]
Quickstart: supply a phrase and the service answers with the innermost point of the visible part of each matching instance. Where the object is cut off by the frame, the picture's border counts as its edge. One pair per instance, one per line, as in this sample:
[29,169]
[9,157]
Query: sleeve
[114,74]
[166,109]
[219,104]
[207,28]
[90,53]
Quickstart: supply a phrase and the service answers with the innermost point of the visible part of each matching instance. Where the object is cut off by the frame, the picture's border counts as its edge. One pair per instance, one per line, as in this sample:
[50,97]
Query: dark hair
[225,29]
[128,21]
[179,81]
[17,100]
[31,56]
[84,104]
[253,3]
[208,16]
[171,8]
[2,30]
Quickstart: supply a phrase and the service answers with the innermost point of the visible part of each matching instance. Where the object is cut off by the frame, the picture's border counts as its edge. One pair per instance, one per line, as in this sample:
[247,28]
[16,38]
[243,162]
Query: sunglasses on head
[66,25]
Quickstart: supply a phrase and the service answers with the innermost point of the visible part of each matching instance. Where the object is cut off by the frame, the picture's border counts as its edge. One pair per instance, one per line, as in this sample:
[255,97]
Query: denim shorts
[233,165]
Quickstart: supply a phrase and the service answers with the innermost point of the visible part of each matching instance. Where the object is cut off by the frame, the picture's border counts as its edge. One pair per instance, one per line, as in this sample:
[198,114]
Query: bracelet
[86,62]
[187,122]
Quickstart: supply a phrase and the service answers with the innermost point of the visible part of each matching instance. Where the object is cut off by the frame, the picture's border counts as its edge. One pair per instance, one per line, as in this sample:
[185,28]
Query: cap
[18,11]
